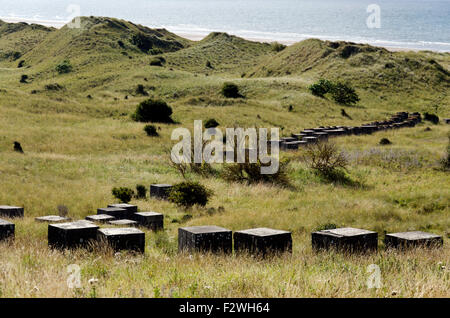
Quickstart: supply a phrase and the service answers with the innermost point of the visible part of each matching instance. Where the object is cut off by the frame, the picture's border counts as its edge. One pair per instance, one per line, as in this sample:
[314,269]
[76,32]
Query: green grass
[77,149]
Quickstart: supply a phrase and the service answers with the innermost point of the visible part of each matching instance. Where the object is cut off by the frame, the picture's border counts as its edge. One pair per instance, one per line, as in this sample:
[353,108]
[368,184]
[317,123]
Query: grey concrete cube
[117,213]
[311,140]
[129,207]
[262,241]
[123,222]
[7,230]
[160,191]
[413,239]
[100,218]
[52,219]
[151,220]
[204,239]
[123,238]
[72,234]
[345,239]
[11,211]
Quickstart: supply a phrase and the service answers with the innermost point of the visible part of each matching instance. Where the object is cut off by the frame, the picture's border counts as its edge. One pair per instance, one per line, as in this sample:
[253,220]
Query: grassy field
[78,148]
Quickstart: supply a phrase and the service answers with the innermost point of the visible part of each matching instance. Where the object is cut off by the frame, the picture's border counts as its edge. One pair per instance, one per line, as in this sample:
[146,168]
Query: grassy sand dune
[78,148]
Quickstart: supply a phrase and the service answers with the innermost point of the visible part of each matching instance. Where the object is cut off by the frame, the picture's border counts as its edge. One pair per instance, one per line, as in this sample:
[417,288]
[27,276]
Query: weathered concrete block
[412,239]
[123,222]
[262,241]
[11,211]
[288,139]
[293,145]
[52,219]
[72,234]
[117,213]
[160,191]
[123,238]
[307,132]
[129,207]
[7,230]
[321,135]
[151,220]
[204,239]
[100,218]
[311,140]
[345,239]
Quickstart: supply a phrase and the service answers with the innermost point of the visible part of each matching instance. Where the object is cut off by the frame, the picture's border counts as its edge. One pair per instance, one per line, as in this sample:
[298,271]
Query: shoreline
[200,36]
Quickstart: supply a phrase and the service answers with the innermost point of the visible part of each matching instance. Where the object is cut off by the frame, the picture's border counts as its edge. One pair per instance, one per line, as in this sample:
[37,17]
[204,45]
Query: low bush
[189,193]
[325,159]
[344,94]
[53,87]
[277,47]
[64,67]
[157,61]
[211,123]
[153,110]
[140,90]
[151,131]
[141,191]
[321,88]
[143,42]
[385,141]
[251,173]
[230,90]
[123,194]
[23,78]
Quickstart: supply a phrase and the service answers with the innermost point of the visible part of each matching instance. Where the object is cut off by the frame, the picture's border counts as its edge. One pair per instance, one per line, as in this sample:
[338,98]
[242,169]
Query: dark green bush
[21,63]
[251,173]
[189,193]
[123,194]
[208,64]
[321,88]
[141,191]
[157,61]
[344,94]
[151,130]
[53,87]
[211,123]
[432,118]
[121,44]
[23,78]
[277,47]
[230,90]
[153,110]
[64,67]
[385,141]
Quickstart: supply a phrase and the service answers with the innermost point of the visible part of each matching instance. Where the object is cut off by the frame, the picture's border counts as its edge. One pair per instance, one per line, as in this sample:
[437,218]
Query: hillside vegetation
[80,141]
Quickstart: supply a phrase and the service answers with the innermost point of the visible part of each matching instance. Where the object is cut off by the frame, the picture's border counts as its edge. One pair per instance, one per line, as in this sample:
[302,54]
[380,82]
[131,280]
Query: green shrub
[123,194]
[189,193]
[321,88]
[325,159]
[23,78]
[64,67]
[20,64]
[277,47]
[157,61]
[121,44]
[208,64]
[385,141]
[151,131]
[153,110]
[211,123]
[344,94]
[230,90]
[53,87]
[251,173]
[141,191]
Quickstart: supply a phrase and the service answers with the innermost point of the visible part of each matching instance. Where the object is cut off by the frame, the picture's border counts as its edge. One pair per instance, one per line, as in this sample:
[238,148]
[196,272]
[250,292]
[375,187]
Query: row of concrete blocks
[314,135]
[259,241]
[264,241]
